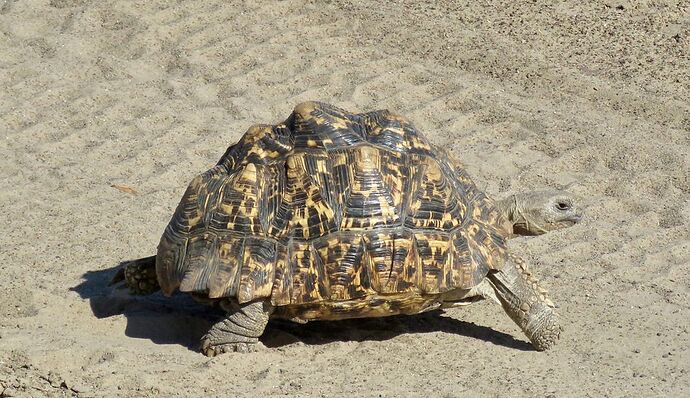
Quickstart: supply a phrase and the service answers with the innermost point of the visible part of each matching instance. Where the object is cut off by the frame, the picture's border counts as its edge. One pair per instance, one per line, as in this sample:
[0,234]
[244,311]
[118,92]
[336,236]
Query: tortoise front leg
[239,331]
[526,303]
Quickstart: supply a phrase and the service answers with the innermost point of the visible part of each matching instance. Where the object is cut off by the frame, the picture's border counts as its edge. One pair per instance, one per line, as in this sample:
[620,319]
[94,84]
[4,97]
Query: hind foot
[239,331]
[139,276]
[210,349]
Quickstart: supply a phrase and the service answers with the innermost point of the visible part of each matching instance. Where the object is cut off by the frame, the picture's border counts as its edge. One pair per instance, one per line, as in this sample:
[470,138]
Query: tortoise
[333,215]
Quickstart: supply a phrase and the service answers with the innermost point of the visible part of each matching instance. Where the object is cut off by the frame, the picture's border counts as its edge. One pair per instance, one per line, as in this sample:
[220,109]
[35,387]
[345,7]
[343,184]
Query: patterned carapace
[331,206]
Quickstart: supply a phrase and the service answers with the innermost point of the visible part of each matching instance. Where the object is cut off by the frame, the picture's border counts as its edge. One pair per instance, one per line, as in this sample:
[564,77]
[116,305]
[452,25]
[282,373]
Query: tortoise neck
[509,208]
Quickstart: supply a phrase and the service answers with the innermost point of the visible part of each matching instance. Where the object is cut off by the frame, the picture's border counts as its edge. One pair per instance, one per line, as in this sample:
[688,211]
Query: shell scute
[257,271]
[395,132]
[316,125]
[435,201]
[309,281]
[343,256]
[394,264]
[370,197]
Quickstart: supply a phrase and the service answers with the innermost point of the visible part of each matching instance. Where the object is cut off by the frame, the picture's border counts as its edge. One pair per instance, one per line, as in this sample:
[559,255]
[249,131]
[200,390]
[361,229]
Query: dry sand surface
[593,96]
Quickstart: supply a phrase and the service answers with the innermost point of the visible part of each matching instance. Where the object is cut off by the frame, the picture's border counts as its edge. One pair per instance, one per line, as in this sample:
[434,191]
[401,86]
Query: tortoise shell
[331,206]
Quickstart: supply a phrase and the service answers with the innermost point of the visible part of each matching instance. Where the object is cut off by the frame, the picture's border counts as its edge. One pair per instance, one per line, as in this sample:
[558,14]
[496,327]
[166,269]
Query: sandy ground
[594,97]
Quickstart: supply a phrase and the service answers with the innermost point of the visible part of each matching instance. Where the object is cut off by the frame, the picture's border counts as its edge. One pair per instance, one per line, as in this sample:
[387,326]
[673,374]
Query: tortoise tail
[139,275]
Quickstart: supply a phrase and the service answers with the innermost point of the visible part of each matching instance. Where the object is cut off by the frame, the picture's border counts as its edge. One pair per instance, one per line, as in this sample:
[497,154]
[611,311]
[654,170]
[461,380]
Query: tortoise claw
[211,350]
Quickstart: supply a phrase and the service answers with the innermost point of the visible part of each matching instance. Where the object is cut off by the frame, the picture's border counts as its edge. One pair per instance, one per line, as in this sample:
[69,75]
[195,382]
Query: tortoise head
[535,213]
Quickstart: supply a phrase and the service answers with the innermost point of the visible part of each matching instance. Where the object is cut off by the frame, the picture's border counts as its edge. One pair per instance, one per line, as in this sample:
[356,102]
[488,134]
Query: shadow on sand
[181,320]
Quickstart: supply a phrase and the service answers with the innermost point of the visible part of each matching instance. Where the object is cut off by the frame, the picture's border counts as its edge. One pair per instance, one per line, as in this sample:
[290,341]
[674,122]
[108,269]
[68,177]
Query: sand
[590,96]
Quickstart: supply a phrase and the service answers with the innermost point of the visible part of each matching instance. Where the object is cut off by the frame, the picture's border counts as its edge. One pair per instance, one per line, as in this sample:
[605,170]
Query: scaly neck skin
[508,207]
[514,212]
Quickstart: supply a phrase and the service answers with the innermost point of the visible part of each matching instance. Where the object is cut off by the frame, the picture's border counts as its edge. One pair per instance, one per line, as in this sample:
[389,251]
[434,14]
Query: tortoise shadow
[385,328]
[181,320]
[163,320]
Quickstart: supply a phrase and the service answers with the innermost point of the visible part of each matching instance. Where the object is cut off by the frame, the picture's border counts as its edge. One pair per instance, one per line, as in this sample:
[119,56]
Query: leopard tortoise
[333,215]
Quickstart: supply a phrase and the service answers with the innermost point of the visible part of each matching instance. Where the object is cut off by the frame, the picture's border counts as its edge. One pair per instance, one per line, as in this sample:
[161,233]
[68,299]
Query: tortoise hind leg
[526,303]
[139,276]
[239,331]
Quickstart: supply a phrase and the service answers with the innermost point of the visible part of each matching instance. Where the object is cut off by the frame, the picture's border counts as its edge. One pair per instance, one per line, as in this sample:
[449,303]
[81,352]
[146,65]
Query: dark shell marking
[332,207]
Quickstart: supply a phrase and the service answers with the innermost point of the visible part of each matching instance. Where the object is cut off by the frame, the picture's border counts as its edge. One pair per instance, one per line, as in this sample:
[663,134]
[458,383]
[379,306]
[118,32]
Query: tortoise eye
[563,206]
